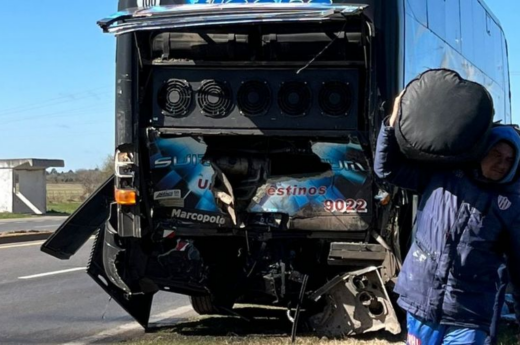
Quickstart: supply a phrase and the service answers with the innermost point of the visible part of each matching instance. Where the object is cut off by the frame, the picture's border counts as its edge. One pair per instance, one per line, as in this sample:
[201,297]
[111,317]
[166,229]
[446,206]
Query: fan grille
[254,98]
[214,98]
[294,98]
[335,98]
[175,97]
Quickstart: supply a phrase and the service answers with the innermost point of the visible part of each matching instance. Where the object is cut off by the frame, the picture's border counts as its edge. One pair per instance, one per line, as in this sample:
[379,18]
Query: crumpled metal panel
[85,221]
[138,305]
[355,303]
[180,16]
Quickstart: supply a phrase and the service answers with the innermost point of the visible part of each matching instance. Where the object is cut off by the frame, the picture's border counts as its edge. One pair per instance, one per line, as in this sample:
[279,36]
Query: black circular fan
[335,98]
[175,97]
[214,98]
[294,98]
[254,98]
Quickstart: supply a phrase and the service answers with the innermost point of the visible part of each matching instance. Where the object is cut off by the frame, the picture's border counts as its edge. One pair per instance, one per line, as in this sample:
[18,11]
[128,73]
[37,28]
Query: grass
[254,340]
[65,208]
[64,192]
[270,328]
[508,335]
[64,187]
[7,215]
[64,198]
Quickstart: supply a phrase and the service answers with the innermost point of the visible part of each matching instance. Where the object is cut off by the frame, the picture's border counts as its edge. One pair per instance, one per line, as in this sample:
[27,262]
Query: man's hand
[393,117]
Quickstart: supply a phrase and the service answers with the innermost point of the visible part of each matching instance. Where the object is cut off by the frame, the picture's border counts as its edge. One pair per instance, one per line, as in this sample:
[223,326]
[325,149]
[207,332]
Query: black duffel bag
[443,118]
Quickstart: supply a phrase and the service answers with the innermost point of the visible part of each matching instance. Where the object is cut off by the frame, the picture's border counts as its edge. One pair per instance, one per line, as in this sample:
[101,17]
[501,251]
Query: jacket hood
[511,136]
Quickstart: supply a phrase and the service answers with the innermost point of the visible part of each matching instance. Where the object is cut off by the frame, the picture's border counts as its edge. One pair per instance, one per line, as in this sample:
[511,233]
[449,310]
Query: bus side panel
[474,51]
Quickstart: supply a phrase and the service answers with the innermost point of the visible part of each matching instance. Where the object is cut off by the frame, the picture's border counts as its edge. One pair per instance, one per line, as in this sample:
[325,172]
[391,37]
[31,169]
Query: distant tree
[107,168]
[89,180]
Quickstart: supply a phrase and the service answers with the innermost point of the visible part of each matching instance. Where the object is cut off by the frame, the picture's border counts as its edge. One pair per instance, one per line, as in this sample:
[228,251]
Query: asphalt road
[44,300]
[43,223]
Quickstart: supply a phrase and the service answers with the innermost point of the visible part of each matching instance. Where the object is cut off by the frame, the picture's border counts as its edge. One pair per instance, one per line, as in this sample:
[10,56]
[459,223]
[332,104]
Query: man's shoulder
[512,188]
[506,199]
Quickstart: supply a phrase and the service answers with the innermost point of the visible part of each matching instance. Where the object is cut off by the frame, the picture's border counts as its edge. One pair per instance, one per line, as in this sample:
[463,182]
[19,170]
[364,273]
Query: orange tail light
[125,196]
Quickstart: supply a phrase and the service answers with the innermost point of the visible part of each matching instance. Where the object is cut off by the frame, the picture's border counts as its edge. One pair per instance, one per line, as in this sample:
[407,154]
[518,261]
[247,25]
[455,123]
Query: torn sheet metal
[111,256]
[223,192]
[136,305]
[355,303]
[85,221]
[339,200]
[191,187]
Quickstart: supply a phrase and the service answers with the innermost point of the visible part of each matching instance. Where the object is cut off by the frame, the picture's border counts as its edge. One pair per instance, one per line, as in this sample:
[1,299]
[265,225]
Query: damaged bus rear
[243,164]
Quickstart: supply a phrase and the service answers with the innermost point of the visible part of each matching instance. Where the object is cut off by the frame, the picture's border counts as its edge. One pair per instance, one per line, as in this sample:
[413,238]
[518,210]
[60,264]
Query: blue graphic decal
[345,190]
[346,160]
[177,166]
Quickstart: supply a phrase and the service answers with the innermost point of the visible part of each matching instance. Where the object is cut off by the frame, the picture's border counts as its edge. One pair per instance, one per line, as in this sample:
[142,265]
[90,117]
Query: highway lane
[43,223]
[44,300]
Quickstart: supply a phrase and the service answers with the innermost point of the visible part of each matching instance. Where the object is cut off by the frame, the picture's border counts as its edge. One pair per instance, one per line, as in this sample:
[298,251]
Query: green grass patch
[191,333]
[508,334]
[269,327]
[251,340]
[7,215]
[66,208]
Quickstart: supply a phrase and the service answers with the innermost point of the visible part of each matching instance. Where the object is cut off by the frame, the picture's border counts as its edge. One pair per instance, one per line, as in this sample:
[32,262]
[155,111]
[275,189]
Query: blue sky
[57,79]
[56,82]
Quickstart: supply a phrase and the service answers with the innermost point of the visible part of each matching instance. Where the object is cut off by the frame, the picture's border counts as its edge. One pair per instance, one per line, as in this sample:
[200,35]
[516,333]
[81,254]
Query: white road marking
[32,243]
[128,327]
[52,273]
[33,219]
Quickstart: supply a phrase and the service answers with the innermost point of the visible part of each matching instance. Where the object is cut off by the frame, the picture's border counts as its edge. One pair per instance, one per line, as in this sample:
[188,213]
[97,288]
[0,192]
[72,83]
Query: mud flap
[111,255]
[355,303]
[84,222]
[102,269]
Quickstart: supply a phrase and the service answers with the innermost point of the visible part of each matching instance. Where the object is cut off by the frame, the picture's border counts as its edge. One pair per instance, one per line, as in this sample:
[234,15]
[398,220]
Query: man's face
[498,161]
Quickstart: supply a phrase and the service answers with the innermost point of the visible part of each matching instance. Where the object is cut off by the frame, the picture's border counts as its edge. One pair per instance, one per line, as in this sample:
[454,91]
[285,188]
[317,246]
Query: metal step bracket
[355,302]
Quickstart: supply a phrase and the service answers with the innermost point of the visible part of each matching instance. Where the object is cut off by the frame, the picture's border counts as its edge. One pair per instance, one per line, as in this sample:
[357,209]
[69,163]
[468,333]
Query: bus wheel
[205,305]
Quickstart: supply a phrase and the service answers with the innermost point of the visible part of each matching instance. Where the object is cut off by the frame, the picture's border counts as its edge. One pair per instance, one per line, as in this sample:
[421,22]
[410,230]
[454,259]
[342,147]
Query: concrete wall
[19,206]
[6,190]
[32,188]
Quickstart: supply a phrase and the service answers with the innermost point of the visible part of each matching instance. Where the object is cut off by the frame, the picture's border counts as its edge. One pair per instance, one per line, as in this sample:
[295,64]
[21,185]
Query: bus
[245,134]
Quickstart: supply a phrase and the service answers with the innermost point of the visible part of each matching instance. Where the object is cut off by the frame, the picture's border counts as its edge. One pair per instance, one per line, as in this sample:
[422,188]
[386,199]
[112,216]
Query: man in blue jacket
[466,221]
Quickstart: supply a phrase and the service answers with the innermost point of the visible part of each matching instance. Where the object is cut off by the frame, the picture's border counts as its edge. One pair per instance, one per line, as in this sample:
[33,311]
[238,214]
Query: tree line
[90,179]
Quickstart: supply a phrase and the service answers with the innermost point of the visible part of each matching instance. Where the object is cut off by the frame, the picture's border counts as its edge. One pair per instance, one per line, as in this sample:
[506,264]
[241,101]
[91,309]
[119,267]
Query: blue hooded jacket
[464,226]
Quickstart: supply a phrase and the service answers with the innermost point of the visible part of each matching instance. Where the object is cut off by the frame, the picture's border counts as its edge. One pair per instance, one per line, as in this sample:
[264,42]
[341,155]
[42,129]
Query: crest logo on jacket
[503,203]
